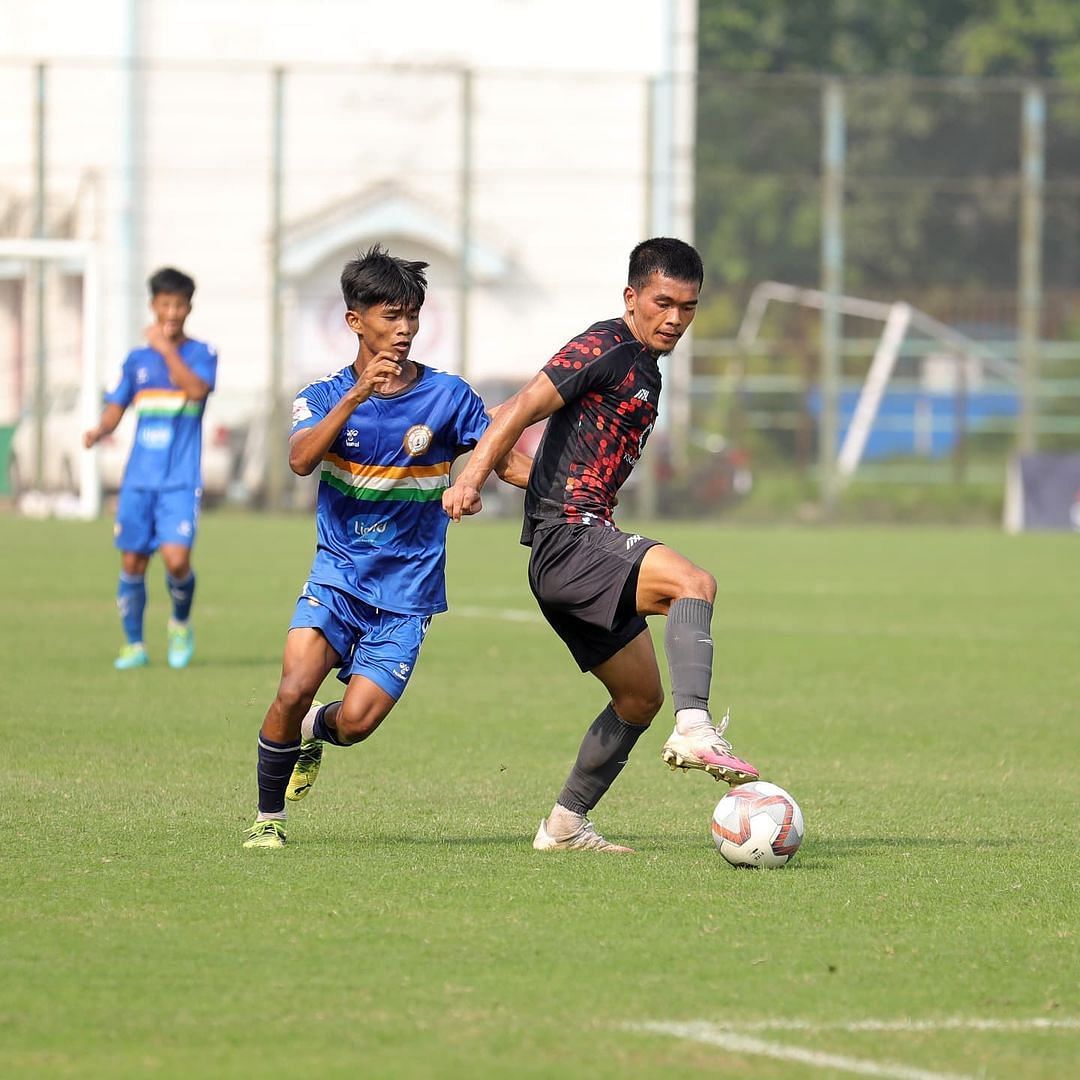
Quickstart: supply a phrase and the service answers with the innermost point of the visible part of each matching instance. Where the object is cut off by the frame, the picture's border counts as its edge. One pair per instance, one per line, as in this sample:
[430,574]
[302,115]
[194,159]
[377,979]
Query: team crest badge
[417,439]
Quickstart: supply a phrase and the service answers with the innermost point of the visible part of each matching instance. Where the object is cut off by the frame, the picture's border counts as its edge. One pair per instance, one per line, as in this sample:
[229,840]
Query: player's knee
[697,584]
[640,706]
[294,695]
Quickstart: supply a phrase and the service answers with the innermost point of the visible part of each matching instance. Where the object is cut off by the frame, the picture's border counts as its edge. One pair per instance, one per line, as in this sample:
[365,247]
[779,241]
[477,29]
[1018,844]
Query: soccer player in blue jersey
[167,381]
[595,584]
[383,432]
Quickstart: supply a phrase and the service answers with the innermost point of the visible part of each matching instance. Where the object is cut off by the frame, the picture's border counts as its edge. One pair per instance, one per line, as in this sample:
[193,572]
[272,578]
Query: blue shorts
[147,519]
[380,645]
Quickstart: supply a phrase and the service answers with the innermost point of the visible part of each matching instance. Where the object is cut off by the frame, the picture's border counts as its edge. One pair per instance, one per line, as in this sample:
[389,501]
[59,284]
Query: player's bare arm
[158,338]
[110,417]
[535,401]
[308,447]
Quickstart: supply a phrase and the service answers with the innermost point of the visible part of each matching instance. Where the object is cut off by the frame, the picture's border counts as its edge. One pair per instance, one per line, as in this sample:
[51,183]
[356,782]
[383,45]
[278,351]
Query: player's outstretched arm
[535,401]
[514,469]
[110,417]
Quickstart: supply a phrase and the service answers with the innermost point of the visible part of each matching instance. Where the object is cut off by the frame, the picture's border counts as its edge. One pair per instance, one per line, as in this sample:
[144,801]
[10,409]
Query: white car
[64,427]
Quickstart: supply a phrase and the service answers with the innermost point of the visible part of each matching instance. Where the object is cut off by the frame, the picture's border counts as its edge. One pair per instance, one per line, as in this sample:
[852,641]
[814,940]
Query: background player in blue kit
[168,382]
[594,583]
[384,431]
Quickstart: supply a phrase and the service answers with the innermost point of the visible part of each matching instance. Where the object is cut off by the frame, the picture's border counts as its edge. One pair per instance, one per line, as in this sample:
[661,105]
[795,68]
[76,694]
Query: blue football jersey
[381,528]
[167,449]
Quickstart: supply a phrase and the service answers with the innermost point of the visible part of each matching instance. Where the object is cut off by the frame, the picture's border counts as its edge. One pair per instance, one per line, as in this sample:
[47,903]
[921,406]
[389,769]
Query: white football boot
[585,839]
[706,748]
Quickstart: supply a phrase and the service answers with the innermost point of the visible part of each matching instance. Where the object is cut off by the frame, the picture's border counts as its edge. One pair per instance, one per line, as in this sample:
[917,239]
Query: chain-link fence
[958,198]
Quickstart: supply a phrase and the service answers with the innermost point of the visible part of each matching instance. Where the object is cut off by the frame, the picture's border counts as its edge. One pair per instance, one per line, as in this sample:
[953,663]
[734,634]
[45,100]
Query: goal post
[81,257]
[898,319]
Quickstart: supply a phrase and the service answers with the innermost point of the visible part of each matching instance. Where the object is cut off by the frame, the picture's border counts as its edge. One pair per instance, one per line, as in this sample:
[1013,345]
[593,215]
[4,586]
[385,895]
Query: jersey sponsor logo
[142,376]
[300,410]
[632,540]
[155,436]
[375,532]
[417,439]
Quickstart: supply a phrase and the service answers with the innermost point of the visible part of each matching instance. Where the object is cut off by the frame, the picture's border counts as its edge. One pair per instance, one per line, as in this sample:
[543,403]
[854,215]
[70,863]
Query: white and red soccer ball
[757,824]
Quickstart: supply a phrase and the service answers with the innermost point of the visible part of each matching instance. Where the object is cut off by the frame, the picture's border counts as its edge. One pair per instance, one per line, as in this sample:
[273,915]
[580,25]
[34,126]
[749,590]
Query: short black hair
[170,280]
[377,277]
[664,255]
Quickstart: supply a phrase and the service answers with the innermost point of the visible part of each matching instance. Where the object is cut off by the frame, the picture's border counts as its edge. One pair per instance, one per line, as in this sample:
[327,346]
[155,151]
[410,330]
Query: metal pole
[465,240]
[40,345]
[1032,171]
[275,462]
[832,281]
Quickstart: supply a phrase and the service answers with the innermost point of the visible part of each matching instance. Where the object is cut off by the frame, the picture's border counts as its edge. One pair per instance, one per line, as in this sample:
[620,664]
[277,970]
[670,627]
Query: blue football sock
[320,729]
[276,761]
[131,603]
[182,593]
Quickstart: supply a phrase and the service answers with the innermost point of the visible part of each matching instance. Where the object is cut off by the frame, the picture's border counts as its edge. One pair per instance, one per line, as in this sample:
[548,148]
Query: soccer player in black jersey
[594,583]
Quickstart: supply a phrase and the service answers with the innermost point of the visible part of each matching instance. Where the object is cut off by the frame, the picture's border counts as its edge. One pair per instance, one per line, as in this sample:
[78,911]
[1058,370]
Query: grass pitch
[917,691]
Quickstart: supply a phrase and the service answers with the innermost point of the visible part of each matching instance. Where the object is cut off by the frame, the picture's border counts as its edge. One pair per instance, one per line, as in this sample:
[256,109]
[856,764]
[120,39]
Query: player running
[593,583]
[168,381]
[384,431]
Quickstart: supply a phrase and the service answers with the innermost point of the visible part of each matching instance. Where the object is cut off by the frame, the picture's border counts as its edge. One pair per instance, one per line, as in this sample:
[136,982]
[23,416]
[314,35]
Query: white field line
[735,1037]
[727,1039]
[953,1023]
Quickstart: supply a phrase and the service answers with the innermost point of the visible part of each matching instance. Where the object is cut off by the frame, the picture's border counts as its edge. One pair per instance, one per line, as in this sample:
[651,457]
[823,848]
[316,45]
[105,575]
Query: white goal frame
[83,255]
[899,318]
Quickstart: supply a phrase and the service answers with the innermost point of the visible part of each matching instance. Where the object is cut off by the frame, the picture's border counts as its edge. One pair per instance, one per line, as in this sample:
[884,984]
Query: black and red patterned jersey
[610,384]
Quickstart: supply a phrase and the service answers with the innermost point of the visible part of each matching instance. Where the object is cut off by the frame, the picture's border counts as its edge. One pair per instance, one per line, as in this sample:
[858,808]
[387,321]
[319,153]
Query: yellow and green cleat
[131,656]
[305,770]
[181,644]
[266,834]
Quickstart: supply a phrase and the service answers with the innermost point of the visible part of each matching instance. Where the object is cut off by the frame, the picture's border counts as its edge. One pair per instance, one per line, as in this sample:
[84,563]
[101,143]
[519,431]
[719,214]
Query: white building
[551,133]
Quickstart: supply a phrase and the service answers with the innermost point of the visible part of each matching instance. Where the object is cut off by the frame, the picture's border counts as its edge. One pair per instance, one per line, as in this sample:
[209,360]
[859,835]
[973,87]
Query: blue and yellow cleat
[181,644]
[265,834]
[131,656]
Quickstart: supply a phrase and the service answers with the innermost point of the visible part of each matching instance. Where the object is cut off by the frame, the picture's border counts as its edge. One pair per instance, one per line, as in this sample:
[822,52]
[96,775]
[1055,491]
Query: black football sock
[603,753]
[321,728]
[689,647]
[276,761]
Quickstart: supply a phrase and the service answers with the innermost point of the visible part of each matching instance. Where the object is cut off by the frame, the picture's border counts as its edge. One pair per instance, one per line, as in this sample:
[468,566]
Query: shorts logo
[417,439]
[401,672]
[632,540]
[642,395]
[184,528]
[300,410]
[352,438]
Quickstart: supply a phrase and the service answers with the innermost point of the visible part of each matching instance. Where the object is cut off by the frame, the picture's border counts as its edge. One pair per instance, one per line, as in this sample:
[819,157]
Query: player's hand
[91,437]
[461,500]
[383,367]
[157,339]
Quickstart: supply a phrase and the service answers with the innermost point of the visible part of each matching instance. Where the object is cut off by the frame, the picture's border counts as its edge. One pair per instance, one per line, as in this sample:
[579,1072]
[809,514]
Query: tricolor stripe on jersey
[412,483]
[165,403]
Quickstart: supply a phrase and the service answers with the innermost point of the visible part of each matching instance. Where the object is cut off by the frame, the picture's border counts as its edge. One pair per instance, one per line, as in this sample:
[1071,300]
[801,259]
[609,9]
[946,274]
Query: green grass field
[917,691]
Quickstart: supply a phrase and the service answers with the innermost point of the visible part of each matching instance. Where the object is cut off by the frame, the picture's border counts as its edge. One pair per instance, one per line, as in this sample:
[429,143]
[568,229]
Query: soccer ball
[757,824]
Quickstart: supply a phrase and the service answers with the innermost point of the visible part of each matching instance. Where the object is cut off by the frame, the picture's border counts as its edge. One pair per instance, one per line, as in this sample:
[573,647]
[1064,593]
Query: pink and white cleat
[708,750]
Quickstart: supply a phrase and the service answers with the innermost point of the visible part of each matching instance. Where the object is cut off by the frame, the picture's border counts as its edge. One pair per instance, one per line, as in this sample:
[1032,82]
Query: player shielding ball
[167,381]
[384,432]
[594,583]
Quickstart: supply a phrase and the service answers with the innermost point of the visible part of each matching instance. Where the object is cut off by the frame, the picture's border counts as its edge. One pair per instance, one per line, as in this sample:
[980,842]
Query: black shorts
[584,578]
